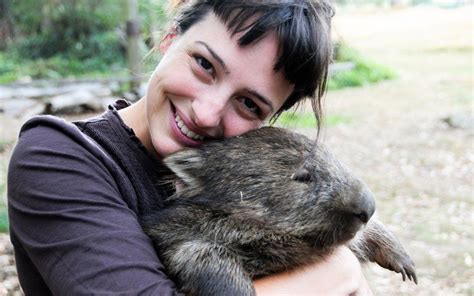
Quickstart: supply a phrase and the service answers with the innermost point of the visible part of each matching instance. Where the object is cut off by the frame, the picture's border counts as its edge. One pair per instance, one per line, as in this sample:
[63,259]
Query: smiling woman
[76,190]
[228,89]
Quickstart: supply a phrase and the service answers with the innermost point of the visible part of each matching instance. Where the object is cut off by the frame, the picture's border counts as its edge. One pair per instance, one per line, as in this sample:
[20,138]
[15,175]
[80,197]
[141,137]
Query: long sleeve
[72,230]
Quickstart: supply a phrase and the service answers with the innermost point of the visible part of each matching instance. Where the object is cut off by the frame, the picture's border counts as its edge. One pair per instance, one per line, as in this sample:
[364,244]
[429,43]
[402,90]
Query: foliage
[364,71]
[153,18]
[3,208]
[78,16]
[4,145]
[62,38]
[79,29]
[4,225]
[295,119]
[13,67]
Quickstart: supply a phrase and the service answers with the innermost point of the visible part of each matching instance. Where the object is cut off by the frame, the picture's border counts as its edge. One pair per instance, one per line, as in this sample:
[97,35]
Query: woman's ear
[167,40]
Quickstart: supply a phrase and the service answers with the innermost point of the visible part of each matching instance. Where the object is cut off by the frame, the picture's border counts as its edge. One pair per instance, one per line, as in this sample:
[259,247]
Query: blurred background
[399,110]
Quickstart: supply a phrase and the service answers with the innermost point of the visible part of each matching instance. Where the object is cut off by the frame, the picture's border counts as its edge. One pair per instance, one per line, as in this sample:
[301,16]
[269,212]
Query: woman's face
[208,87]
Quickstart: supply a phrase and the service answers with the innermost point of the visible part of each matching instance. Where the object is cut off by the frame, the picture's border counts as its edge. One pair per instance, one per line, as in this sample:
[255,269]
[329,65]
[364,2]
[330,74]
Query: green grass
[13,68]
[4,219]
[3,209]
[307,120]
[365,71]
[4,144]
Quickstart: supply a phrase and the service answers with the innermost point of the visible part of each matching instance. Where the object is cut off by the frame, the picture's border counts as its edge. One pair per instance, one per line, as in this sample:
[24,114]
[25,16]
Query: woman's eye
[250,105]
[205,64]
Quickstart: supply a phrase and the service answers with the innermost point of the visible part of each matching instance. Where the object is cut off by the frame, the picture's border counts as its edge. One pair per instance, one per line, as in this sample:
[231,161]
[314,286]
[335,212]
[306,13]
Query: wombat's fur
[262,203]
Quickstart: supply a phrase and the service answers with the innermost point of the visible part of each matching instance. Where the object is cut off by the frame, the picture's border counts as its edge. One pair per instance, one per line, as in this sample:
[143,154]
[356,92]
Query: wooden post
[133,48]
[6,27]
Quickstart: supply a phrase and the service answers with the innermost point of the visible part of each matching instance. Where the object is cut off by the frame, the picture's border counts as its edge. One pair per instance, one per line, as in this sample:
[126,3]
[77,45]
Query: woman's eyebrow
[214,55]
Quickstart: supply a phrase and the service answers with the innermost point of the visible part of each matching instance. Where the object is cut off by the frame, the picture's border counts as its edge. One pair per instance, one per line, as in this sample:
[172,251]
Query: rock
[19,107]
[3,290]
[10,271]
[460,120]
[26,101]
[114,86]
[74,103]
[11,284]
[141,92]
[93,87]
[102,92]
[5,93]
[105,102]
[129,96]
[340,67]
[4,260]
[33,92]
[37,109]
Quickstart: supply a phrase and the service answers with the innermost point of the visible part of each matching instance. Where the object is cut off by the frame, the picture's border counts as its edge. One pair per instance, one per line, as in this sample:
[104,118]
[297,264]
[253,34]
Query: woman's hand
[339,274]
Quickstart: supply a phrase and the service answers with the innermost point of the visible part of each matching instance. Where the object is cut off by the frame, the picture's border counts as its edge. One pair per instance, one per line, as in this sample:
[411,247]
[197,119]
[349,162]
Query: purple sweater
[75,192]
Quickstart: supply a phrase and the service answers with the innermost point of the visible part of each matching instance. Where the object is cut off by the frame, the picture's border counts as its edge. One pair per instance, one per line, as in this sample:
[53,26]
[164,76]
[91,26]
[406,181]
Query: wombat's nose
[364,208]
[363,216]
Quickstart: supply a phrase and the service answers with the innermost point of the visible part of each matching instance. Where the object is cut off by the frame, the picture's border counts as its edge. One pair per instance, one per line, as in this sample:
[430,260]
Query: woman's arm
[339,274]
[73,233]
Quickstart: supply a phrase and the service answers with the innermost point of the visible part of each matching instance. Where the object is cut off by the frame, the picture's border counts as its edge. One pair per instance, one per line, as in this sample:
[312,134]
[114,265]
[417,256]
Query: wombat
[262,203]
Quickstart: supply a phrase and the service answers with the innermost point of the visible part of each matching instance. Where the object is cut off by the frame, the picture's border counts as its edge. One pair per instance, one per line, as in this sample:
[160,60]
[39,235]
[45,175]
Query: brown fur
[262,203]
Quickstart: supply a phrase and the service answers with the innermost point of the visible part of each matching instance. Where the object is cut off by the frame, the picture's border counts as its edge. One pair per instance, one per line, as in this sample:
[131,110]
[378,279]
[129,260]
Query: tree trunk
[45,17]
[133,48]
[6,26]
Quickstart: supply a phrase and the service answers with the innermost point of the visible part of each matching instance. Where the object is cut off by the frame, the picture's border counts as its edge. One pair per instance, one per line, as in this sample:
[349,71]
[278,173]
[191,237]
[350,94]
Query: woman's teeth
[184,129]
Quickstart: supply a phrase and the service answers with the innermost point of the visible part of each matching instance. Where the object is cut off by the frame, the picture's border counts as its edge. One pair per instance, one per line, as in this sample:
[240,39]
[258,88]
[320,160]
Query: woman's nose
[208,112]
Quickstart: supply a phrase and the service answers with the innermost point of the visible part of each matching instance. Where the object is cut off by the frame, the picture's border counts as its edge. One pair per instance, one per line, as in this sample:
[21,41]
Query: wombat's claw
[408,273]
[404,275]
[412,276]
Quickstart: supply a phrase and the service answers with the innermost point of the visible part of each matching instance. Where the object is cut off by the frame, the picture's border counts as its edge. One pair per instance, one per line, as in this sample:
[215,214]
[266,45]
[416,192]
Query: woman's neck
[134,116]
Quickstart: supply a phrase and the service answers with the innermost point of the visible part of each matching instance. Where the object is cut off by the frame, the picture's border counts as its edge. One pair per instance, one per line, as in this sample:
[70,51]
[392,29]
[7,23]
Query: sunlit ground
[420,169]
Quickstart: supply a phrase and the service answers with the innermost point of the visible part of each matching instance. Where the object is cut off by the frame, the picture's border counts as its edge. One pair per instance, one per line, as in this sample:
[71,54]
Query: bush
[55,39]
[364,71]
[102,44]
[301,119]
[13,67]
[74,30]
[4,225]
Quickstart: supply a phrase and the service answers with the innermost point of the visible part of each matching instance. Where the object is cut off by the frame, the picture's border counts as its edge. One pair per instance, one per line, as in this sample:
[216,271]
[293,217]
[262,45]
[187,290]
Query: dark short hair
[302,28]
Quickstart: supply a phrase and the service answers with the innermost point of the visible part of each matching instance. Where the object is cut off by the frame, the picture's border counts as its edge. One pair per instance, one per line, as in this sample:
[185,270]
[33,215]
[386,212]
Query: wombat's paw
[398,261]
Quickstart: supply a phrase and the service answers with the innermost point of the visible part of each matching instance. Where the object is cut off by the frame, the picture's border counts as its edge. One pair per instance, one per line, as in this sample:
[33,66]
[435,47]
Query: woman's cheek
[235,125]
[182,82]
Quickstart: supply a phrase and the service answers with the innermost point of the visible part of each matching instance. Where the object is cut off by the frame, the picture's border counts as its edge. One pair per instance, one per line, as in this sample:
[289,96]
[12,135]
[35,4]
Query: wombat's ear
[302,175]
[184,164]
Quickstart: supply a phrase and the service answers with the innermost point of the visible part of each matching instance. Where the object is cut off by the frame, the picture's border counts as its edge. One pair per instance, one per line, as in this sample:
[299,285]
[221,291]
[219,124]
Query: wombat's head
[276,178]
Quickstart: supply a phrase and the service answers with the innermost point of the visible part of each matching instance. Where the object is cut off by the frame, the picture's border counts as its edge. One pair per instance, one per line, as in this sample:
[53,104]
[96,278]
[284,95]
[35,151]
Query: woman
[75,190]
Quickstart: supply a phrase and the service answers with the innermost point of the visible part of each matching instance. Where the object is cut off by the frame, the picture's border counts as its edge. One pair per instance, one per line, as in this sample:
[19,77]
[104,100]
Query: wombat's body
[263,203]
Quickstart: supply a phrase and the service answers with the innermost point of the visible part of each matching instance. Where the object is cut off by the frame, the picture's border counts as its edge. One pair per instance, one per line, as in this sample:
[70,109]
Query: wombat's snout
[363,206]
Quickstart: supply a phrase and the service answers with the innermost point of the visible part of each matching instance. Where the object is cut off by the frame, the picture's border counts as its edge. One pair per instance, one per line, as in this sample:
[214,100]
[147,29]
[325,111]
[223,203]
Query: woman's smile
[183,130]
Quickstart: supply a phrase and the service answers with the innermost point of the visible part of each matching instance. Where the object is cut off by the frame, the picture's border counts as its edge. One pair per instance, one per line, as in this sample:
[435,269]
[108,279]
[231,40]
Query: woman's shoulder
[47,136]
[49,125]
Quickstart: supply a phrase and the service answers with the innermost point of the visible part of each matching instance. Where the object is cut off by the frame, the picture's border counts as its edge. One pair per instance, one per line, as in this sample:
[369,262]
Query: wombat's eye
[302,175]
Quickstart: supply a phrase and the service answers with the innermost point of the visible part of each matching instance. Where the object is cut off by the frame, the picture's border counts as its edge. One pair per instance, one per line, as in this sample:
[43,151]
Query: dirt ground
[420,169]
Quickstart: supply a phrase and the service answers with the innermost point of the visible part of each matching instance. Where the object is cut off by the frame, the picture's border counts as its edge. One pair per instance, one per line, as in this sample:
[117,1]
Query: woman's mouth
[184,134]
[185,130]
